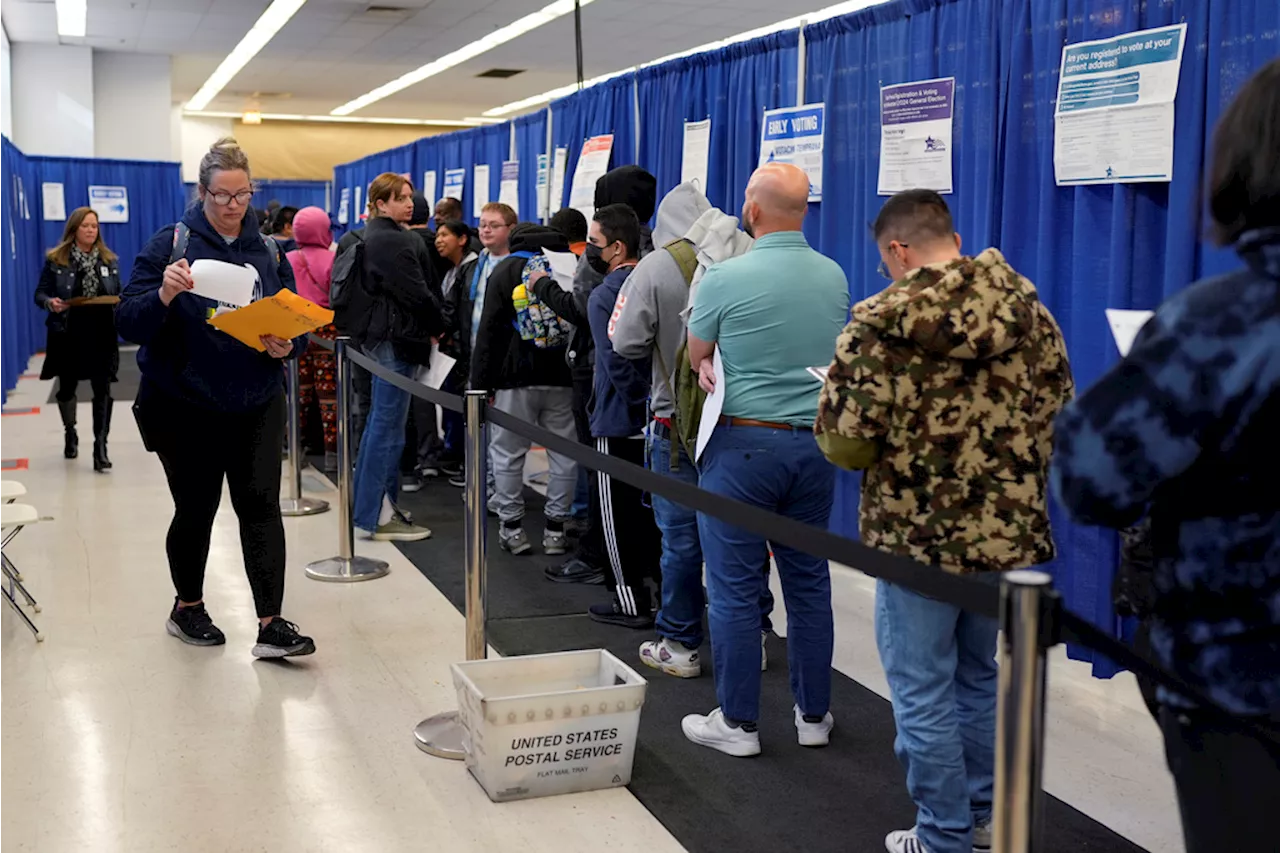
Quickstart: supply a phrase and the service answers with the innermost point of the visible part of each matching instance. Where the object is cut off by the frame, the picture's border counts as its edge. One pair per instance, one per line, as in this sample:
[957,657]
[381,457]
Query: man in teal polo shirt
[773,312]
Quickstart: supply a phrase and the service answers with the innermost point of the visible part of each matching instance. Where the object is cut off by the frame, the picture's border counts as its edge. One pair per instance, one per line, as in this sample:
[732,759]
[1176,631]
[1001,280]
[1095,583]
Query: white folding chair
[10,491]
[14,517]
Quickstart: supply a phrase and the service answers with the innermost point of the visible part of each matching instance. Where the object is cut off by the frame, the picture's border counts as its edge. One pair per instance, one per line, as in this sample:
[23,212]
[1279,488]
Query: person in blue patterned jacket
[1185,429]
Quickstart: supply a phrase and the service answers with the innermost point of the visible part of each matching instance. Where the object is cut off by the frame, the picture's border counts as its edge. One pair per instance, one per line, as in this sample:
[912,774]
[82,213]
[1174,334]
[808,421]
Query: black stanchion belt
[323,343]
[452,402]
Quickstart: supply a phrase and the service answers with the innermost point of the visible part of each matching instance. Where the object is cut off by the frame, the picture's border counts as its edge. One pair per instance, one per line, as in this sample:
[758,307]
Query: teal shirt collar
[781,240]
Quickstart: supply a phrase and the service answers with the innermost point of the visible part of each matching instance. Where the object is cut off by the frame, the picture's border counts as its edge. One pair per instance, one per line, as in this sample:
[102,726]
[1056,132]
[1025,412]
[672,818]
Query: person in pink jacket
[312,265]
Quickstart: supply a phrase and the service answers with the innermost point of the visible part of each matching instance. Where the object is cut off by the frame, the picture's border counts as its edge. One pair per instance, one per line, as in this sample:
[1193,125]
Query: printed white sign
[697,147]
[429,188]
[110,203]
[558,168]
[344,206]
[453,182]
[593,162]
[54,202]
[915,136]
[794,135]
[1125,326]
[480,189]
[509,186]
[544,187]
[1114,117]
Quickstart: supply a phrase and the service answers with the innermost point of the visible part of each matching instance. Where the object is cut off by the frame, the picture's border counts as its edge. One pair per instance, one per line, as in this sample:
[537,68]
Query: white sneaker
[714,732]
[982,837]
[671,657]
[814,734]
[764,653]
[904,841]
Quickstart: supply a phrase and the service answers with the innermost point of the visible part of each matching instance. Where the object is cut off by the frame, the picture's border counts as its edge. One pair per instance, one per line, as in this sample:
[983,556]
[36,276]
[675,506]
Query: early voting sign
[794,135]
[1114,118]
[915,136]
[453,182]
[110,203]
[344,206]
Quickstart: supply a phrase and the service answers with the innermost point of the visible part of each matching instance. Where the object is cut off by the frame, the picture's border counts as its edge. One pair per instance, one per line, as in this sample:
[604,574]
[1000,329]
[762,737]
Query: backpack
[347,292]
[687,393]
[535,321]
[182,238]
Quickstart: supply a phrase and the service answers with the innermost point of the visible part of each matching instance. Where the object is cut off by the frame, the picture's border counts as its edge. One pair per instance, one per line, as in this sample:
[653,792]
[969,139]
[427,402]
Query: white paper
[453,183]
[110,203]
[429,188]
[344,206]
[1125,326]
[434,374]
[693,159]
[915,136]
[54,202]
[359,212]
[544,187]
[593,162]
[1113,122]
[711,408]
[558,168]
[820,372]
[794,135]
[563,266]
[480,189]
[509,186]
[229,284]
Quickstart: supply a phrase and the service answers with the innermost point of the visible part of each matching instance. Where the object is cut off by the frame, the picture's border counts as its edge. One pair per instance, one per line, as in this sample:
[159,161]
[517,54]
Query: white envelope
[228,283]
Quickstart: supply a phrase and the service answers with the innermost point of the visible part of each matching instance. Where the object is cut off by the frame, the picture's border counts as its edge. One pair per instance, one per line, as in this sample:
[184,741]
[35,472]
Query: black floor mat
[842,799]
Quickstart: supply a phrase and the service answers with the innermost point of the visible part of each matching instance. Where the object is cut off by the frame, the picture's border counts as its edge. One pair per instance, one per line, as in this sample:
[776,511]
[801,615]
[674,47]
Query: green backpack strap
[686,394]
[686,256]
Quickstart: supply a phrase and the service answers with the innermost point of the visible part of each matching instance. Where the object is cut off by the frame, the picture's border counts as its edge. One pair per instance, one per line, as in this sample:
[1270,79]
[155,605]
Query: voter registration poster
[1114,118]
[795,135]
[915,136]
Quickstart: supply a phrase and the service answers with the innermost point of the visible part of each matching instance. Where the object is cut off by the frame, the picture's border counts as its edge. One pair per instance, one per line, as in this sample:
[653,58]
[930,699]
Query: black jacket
[406,309]
[457,315]
[502,359]
[58,281]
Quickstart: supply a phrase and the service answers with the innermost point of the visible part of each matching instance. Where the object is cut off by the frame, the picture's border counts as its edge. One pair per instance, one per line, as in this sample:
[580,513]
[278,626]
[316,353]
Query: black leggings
[101,386]
[198,448]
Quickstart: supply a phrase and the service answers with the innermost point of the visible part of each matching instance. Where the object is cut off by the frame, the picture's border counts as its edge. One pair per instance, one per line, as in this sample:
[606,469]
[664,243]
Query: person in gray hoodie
[649,323]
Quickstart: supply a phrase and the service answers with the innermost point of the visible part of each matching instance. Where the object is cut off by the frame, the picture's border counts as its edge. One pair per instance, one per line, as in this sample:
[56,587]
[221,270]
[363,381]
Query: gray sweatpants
[551,409]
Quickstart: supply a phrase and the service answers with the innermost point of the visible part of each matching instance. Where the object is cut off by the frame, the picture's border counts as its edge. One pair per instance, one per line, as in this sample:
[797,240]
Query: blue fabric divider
[21,323]
[292,193]
[732,86]
[607,107]
[531,140]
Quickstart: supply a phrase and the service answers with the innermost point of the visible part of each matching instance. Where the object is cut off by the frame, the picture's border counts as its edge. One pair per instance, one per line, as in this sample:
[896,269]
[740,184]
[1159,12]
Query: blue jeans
[941,667]
[680,614]
[784,472]
[378,464]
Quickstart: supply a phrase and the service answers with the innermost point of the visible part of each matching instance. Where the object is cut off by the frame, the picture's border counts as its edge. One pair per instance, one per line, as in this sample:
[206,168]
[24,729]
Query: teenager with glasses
[211,407]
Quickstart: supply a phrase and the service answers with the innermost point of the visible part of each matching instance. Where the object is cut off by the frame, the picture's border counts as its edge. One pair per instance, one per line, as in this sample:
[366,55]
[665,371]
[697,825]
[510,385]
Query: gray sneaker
[515,540]
[554,543]
[399,530]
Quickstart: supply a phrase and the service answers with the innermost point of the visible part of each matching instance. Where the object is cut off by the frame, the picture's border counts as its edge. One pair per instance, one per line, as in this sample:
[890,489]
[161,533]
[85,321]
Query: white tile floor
[117,738]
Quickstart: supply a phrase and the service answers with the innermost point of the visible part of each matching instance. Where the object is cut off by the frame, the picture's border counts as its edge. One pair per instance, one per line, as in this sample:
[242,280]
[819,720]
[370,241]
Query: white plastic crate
[549,724]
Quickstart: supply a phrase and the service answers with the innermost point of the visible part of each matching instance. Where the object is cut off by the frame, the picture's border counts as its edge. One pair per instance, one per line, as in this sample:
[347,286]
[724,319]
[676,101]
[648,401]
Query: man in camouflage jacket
[944,388]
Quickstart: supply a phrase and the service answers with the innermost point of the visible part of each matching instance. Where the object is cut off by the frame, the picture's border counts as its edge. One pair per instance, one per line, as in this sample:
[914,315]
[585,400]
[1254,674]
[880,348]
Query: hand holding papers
[222,282]
[285,315]
[563,266]
[433,375]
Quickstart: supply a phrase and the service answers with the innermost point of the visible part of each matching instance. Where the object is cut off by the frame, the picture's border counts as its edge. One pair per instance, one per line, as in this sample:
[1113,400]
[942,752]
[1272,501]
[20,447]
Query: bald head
[777,199]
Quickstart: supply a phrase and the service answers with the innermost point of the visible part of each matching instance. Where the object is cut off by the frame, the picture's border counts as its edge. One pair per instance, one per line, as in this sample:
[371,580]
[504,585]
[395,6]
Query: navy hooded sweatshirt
[181,354]
[620,395]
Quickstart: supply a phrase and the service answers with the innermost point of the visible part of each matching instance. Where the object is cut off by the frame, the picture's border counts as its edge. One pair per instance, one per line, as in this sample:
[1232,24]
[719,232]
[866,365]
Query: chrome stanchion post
[1017,820]
[442,735]
[346,567]
[294,503]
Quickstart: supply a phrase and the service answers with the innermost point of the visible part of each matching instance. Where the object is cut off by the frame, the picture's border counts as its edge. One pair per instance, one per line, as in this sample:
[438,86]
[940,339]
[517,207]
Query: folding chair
[14,517]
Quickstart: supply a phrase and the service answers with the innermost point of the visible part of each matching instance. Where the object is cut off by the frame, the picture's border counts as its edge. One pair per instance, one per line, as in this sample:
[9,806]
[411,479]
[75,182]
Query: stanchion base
[343,570]
[290,507]
[441,736]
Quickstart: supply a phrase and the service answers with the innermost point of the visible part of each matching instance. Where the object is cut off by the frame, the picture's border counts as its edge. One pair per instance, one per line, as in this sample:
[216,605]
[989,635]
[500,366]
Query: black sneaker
[411,483]
[611,614]
[279,638]
[193,625]
[574,570]
[451,469]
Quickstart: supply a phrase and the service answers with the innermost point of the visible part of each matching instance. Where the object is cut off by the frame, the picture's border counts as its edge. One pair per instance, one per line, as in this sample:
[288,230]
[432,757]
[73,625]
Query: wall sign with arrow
[110,203]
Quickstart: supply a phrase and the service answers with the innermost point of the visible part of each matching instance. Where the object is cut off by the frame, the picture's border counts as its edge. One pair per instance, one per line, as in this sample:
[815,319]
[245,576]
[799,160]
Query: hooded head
[680,208]
[311,228]
[421,210]
[629,185]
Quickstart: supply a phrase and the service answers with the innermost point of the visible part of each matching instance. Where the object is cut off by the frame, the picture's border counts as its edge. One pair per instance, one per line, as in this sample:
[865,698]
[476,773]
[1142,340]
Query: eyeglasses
[883,268]
[493,226]
[224,199]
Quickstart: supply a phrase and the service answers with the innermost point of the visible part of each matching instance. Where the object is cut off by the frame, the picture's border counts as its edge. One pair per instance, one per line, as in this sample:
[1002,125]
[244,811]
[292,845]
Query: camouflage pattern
[957,373]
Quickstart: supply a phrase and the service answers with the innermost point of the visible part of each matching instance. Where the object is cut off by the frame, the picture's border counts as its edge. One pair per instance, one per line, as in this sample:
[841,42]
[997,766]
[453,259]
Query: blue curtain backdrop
[465,150]
[732,86]
[531,140]
[608,107]
[292,193]
[20,264]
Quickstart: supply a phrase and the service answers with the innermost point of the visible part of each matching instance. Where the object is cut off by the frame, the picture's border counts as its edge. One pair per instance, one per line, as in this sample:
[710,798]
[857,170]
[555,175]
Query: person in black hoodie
[529,382]
[211,407]
[422,446]
[404,317]
[636,188]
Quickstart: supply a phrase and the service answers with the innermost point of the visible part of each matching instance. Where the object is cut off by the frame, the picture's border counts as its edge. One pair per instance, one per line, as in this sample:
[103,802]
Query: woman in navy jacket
[211,407]
[82,340]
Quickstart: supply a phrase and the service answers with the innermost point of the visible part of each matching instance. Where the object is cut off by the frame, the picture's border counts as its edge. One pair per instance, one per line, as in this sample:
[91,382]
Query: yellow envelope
[285,315]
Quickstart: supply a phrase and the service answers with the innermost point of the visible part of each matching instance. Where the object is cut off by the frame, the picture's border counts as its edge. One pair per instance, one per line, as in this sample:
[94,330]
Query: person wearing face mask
[404,316]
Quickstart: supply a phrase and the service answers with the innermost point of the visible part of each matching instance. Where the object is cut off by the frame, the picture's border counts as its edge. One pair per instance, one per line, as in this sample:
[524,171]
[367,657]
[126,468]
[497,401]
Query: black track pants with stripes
[632,542]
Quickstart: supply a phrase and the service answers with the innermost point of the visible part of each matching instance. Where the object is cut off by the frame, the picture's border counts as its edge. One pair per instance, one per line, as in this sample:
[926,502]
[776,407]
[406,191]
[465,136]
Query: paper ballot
[1125,326]
[711,408]
[433,375]
[563,266]
[285,315]
[231,284]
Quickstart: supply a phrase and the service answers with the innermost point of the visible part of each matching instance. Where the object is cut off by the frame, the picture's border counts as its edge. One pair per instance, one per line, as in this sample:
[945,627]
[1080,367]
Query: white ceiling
[334,50]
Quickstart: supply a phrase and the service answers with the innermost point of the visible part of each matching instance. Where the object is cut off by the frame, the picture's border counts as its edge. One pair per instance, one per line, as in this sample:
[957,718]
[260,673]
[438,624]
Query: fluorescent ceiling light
[788,24]
[427,122]
[497,38]
[72,15]
[276,16]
